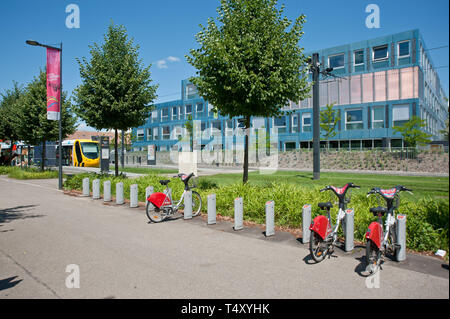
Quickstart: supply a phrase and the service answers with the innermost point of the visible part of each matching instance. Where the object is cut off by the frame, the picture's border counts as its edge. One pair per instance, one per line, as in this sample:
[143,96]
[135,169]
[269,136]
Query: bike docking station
[400,254]
[238,214]
[212,209]
[133,196]
[348,228]
[119,193]
[270,218]
[96,189]
[188,205]
[107,191]
[306,222]
[86,191]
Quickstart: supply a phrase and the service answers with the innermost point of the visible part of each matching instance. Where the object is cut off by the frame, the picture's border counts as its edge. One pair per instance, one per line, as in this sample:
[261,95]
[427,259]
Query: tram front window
[89,149]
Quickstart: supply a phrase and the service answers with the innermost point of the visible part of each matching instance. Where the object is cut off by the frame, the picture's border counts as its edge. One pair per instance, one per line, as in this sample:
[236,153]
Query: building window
[358,57]
[279,123]
[229,127]
[188,110]
[378,117]
[155,116]
[191,91]
[354,120]
[294,123]
[149,134]
[174,113]
[336,61]
[165,114]
[155,133]
[166,132]
[140,135]
[400,114]
[380,53]
[176,132]
[306,122]
[199,107]
[403,49]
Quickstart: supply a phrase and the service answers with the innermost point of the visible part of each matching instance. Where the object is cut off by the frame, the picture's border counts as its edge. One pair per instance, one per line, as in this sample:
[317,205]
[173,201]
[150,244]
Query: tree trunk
[116,157]
[29,156]
[11,157]
[247,134]
[43,154]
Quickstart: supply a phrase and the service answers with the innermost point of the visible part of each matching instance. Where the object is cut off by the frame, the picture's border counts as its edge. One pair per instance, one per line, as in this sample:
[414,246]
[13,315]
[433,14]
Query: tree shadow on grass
[8,283]
[19,212]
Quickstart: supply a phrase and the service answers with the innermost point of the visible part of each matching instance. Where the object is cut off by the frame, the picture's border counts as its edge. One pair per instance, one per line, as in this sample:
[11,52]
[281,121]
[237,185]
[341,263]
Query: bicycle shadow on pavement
[9,282]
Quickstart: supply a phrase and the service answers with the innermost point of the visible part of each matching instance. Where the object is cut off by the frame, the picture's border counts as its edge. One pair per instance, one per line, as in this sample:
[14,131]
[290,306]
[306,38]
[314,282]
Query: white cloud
[173,59]
[162,64]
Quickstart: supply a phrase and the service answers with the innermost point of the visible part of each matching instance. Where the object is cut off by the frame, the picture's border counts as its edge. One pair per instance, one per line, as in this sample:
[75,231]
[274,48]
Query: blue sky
[165,31]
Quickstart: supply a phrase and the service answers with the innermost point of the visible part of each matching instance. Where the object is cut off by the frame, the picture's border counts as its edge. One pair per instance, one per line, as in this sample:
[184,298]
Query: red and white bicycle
[378,241]
[160,205]
[323,233]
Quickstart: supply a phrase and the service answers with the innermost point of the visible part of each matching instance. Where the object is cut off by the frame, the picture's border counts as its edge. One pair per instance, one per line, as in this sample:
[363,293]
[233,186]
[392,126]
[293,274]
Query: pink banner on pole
[53,84]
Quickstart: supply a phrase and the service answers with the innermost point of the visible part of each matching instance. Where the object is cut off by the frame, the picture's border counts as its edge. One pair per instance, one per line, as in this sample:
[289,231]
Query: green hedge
[27,172]
[427,219]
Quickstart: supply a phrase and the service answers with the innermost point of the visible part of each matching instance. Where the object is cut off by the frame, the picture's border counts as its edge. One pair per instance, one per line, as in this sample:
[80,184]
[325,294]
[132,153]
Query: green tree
[116,91]
[412,132]
[250,63]
[32,124]
[328,122]
[8,116]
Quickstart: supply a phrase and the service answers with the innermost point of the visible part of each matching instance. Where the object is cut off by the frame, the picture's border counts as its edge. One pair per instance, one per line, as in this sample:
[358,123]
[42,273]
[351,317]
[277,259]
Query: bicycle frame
[375,232]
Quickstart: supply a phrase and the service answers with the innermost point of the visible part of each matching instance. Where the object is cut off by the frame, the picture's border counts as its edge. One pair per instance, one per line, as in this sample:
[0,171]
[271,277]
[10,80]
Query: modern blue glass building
[380,83]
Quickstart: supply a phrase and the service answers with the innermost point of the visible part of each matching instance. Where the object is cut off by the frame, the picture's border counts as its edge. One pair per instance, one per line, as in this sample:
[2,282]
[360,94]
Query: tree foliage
[116,91]
[412,132]
[328,121]
[32,125]
[250,63]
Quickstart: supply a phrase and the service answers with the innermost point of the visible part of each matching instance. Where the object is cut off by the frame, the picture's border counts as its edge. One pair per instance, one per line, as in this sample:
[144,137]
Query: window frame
[175,117]
[335,55]
[378,121]
[165,135]
[380,59]
[165,117]
[398,49]
[400,106]
[278,127]
[186,113]
[354,122]
[354,57]
[306,125]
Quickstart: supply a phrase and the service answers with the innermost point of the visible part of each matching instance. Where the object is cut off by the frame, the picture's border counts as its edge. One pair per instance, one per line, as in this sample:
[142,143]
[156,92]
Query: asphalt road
[121,255]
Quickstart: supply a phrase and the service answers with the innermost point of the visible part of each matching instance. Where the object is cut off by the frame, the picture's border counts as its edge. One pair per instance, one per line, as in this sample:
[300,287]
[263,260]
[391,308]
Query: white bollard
[270,218]
[348,227]
[306,222]
[134,196]
[96,189]
[148,192]
[400,252]
[238,214]
[119,193]
[188,205]
[86,191]
[107,191]
[212,209]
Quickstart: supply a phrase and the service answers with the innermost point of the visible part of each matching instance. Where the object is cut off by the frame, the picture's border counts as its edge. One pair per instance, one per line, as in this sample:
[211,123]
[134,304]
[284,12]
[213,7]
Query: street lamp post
[35,43]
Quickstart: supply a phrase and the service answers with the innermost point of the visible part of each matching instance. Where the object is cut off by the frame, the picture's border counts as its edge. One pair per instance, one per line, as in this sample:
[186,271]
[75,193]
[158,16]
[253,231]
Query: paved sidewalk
[121,255]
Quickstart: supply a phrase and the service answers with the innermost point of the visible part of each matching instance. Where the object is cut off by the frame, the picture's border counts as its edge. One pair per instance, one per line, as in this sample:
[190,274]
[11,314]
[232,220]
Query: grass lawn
[145,170]
[436,187]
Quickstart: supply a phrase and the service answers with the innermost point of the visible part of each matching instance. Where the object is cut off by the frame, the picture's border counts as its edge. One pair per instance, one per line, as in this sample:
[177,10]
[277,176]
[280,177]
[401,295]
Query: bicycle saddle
[164,182]
[326,205]
[378,210]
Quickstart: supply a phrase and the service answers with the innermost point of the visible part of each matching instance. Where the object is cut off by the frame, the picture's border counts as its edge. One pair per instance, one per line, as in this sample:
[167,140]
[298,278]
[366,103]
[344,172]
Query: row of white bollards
[119,192]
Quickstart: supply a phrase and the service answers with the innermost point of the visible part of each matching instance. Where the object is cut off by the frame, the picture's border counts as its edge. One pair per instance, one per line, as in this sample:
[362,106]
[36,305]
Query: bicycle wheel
[392,241]
[196,203]
[153,213]
[373,255]
[317,247]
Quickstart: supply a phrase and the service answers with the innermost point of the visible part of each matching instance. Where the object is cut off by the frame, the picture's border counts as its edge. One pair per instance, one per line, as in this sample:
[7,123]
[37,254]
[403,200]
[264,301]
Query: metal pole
[349,229]
[188,205]
[238,213]
[306,222]
[60,183]
[212,209]
[400,252]
[134,196]
[270,218]
[316,117]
